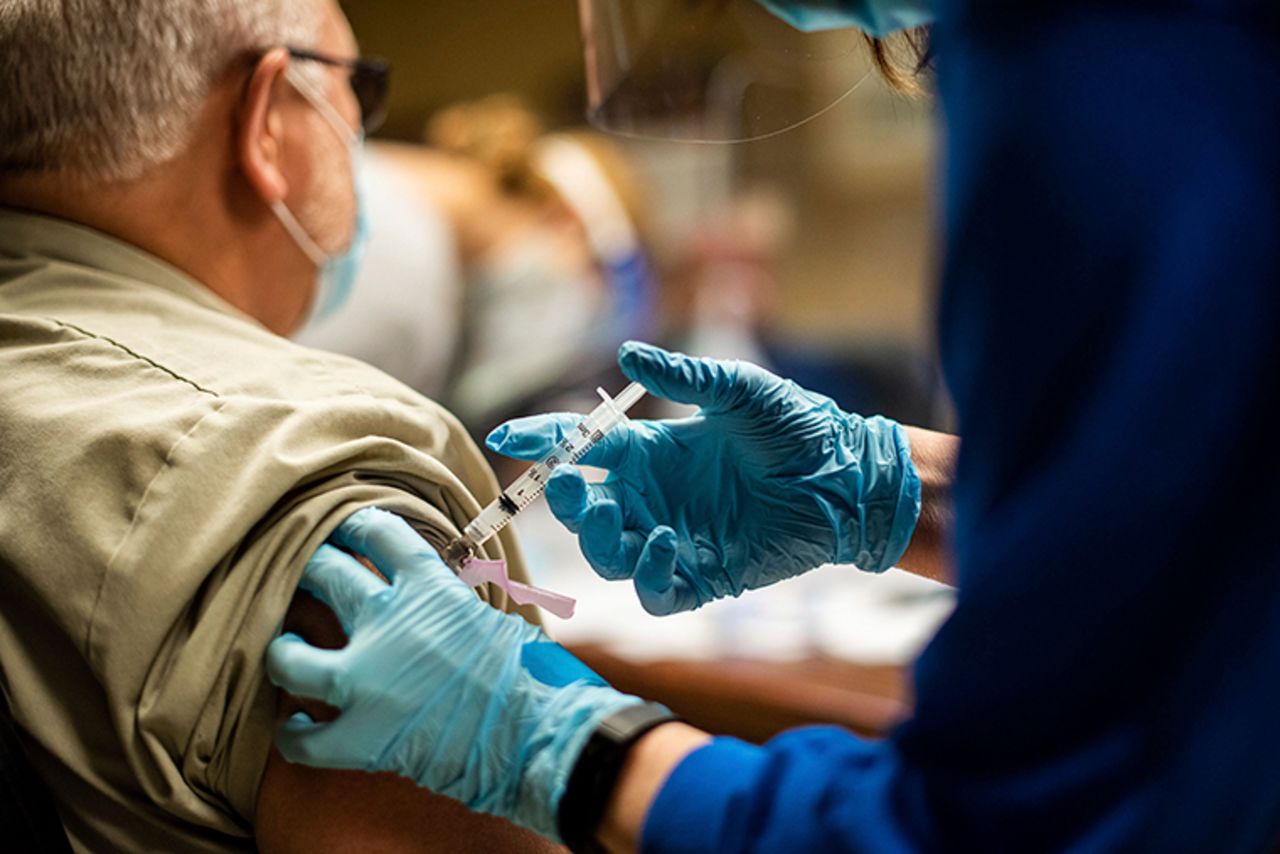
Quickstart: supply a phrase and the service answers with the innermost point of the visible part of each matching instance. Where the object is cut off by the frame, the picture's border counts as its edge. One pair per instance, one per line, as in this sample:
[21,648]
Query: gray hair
[104,90]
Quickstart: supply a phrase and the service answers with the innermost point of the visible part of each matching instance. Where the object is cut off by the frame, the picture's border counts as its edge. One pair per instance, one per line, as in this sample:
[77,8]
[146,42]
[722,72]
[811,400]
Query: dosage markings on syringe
[572,448]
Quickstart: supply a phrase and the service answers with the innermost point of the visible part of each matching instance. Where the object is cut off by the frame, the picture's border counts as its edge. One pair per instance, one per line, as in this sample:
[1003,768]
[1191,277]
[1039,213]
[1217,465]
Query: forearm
[647,767]
[934,456]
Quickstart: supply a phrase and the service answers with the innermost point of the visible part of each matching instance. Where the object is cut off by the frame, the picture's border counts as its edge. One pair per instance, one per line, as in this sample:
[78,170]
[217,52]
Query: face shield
[710,70]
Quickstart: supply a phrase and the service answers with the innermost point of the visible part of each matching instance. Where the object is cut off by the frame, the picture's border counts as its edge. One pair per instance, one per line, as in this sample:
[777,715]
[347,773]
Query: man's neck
[181,216]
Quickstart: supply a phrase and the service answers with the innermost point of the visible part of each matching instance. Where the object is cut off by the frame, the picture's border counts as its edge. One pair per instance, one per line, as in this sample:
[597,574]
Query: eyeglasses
[370,80]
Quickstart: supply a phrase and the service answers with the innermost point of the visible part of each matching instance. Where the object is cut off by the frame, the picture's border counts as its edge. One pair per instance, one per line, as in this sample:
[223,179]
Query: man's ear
[260,135]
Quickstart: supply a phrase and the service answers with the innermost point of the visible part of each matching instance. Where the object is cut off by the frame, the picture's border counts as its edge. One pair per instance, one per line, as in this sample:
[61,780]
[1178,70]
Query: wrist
[934,456]
[881,493]
[561,728]
[550,713]
[905,500]
[648,766]
[597,768]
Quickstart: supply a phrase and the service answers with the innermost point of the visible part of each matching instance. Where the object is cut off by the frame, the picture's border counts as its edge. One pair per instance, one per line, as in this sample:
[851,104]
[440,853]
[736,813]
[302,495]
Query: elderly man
[176,183]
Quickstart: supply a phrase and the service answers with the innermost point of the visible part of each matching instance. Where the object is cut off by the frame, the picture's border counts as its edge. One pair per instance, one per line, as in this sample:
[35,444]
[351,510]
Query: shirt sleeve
[211,564]
[1108,331]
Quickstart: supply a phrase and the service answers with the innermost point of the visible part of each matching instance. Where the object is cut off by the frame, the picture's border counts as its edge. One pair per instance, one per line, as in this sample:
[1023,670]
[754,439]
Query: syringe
[520,494]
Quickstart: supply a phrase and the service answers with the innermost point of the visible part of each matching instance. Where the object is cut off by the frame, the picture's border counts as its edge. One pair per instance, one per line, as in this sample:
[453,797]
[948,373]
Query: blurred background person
[505,265]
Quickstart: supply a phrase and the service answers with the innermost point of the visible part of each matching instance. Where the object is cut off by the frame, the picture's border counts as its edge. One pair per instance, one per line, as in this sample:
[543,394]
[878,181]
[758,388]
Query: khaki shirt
[167,465]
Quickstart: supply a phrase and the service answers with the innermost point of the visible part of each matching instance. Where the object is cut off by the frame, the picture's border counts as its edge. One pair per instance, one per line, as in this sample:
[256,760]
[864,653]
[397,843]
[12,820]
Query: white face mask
[524,289]
[526,294]
[335,274]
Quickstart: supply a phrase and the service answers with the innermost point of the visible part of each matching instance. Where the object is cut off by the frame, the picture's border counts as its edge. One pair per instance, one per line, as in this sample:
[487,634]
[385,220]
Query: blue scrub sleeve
[816,789]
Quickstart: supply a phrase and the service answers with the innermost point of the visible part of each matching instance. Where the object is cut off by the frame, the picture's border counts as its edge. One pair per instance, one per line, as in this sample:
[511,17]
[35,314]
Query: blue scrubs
[1110,328]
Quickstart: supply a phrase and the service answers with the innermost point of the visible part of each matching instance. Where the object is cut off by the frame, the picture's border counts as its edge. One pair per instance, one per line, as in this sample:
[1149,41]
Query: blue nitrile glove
[874,17]
[434,684]
[767,481]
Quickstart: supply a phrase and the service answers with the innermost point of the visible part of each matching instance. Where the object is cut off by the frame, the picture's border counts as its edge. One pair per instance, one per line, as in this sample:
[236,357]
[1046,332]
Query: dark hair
[903,59]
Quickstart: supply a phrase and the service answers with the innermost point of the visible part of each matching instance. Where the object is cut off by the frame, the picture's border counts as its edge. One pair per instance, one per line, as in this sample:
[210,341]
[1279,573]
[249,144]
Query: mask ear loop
[299,234]
[316,98]
[353,140]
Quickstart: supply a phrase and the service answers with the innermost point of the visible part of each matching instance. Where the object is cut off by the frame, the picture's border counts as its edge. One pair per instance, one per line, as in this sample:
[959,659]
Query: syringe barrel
[490,521]
[527,487]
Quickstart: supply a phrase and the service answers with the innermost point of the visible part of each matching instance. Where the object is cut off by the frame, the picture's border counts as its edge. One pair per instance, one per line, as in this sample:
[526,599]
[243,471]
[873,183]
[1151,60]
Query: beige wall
[450,50]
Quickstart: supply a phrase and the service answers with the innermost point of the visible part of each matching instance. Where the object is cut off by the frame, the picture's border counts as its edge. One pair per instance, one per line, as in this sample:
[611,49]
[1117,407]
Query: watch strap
[594,775]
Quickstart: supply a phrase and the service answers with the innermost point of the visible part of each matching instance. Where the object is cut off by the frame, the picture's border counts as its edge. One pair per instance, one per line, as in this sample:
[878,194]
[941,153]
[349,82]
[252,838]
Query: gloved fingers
[568,497]
[611,551]
[572,501]
[302,741]
[533,437]
[341,582]
[303,670]
[530,438]
[389,542]
[709,383]
[660,590]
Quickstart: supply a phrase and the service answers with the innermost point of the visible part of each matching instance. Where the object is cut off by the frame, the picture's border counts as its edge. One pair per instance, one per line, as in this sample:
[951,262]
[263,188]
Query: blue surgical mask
[335,274]
[874,17]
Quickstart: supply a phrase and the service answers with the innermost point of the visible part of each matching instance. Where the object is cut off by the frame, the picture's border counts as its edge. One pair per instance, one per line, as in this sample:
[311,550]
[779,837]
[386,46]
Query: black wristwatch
[596,772]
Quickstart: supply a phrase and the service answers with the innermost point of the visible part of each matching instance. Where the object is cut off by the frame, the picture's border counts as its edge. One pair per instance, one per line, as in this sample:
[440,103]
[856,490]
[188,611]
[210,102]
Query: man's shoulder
[65,320]
[109,382]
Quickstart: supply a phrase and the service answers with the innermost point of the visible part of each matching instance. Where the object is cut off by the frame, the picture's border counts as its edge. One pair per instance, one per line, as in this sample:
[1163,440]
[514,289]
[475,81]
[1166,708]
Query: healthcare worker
[1110,678]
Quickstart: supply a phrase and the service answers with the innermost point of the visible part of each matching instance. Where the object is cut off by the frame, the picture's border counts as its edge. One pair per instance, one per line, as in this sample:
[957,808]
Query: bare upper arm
[306,809]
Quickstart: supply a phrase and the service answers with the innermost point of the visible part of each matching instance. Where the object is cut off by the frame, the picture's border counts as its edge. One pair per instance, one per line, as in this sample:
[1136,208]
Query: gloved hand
[767,481]
[874,17]
[434,684]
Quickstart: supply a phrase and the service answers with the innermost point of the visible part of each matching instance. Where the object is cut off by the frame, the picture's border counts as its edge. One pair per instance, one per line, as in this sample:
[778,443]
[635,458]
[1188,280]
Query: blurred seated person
[176,195]
[505,265]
